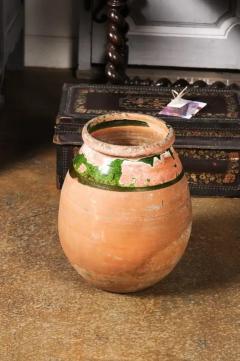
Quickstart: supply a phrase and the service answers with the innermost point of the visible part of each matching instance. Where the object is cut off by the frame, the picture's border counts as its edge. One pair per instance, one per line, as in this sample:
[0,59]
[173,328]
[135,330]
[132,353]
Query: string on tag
[176,94]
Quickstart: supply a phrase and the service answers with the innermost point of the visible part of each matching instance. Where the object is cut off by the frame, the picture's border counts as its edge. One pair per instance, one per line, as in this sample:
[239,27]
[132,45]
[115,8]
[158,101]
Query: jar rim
[129,151]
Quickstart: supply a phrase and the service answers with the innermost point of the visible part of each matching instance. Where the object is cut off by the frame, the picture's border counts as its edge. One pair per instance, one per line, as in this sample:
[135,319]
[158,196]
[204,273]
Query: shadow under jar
[125,209]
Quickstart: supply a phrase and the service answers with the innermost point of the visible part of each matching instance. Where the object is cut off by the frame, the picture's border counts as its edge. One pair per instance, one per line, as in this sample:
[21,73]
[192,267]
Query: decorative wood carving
[117,50]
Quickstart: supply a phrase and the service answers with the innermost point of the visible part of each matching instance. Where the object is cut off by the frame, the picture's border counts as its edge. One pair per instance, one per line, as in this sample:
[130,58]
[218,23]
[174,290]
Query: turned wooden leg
[117,50]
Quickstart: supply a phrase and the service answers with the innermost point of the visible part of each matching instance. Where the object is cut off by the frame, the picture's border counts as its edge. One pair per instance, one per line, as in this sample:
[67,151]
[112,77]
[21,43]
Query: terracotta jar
[125,209]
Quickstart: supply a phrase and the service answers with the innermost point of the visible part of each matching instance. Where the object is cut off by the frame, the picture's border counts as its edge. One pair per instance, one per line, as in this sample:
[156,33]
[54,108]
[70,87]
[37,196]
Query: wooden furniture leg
[117,49]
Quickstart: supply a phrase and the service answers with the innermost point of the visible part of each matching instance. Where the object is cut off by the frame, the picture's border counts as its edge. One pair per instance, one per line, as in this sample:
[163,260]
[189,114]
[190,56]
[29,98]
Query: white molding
[84,38]
[218,31]
[50,51]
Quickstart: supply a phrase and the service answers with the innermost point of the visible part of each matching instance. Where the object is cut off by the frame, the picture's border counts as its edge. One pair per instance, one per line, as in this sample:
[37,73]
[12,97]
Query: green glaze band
[92,173]
[84,181]
[93,177]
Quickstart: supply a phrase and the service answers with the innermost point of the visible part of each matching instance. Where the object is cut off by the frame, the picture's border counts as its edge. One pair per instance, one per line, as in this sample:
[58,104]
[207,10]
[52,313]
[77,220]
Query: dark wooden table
[117,51]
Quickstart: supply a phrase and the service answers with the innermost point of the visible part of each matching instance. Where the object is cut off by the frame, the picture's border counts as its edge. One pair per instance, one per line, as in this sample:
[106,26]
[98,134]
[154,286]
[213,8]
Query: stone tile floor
[48,313]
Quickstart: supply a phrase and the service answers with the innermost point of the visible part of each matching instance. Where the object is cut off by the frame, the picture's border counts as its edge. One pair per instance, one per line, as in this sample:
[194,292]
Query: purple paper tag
[182,108]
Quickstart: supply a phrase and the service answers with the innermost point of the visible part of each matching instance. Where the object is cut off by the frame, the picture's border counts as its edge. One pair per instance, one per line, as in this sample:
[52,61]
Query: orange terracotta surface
[124,241]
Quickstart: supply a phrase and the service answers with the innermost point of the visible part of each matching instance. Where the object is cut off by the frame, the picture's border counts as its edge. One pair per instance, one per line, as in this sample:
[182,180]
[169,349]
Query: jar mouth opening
[128,135]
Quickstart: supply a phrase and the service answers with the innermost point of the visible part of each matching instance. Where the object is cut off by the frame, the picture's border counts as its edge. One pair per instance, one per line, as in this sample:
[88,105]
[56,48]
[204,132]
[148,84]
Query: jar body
[124,223]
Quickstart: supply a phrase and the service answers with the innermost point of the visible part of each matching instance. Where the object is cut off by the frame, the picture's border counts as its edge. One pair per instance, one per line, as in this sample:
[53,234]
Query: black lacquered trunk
[208,144]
